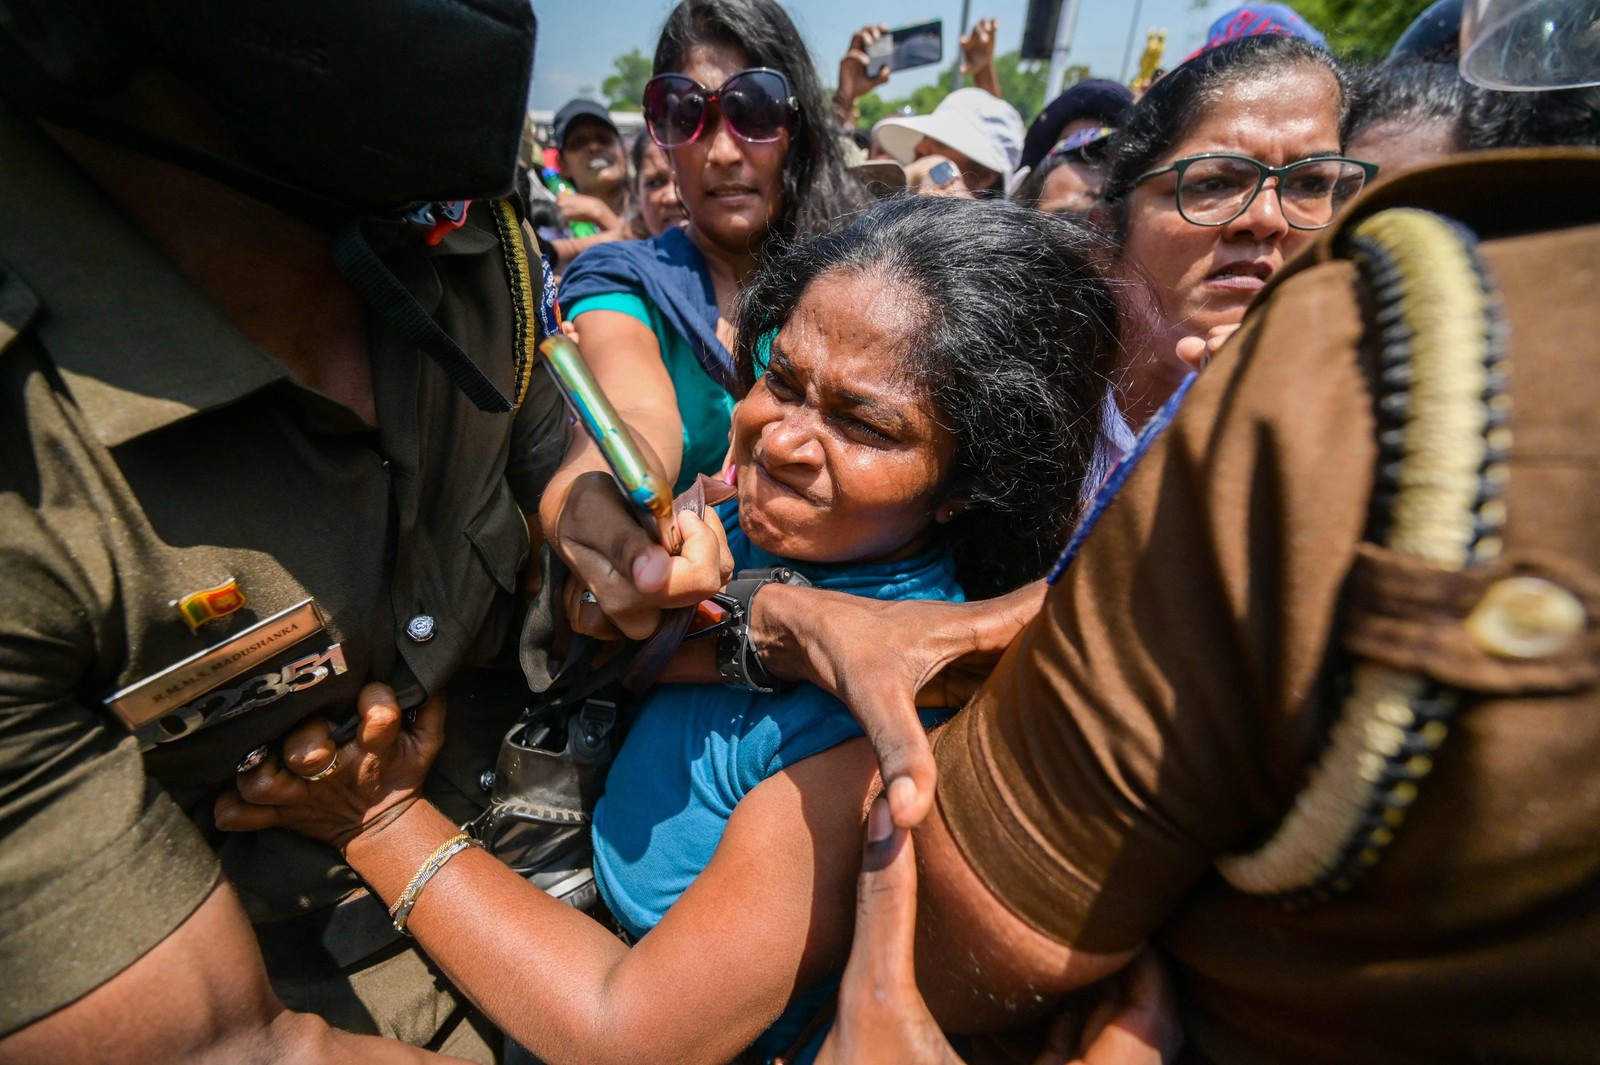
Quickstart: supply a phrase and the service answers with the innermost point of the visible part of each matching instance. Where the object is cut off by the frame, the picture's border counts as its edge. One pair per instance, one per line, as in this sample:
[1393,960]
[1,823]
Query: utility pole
[961,27]
[1133,30]
[1067,22]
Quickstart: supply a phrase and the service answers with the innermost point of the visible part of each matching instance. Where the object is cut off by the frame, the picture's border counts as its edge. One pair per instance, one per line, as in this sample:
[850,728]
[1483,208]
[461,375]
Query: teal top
[704,405]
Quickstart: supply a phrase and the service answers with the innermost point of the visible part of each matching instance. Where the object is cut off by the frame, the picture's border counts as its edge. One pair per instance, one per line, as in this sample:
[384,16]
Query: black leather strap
[738,660]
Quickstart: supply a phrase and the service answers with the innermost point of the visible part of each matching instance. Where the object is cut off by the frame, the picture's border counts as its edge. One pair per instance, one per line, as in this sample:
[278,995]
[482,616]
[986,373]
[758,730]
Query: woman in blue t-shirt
[922,421]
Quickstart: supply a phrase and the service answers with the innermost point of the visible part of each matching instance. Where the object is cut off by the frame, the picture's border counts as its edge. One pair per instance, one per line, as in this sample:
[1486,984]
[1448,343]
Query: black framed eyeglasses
[1214,189]
[756,103]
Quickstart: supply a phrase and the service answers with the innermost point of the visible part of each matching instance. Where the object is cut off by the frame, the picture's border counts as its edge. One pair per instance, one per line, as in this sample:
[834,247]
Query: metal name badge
[182,684]
[260,690]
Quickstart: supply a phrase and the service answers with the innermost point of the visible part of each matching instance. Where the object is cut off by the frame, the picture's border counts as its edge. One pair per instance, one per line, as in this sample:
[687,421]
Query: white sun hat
[980,126]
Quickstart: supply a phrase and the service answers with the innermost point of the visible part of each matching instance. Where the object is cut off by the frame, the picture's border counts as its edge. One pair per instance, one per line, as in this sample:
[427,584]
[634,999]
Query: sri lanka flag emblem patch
[200,607]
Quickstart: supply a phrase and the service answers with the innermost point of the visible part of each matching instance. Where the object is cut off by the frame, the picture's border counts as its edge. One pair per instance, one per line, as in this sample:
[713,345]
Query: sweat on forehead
[1264,85]
[862,299]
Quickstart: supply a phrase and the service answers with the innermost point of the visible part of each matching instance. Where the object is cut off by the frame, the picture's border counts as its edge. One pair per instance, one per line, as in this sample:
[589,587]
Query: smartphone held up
[909,46]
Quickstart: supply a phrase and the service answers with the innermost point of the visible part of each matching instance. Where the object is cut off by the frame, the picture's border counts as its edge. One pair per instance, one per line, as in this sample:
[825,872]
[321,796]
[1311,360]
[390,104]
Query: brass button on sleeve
[1526,617]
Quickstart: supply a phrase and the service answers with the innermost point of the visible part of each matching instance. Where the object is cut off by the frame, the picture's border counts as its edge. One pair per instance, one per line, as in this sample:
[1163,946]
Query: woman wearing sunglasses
[739,111]
[1222,171]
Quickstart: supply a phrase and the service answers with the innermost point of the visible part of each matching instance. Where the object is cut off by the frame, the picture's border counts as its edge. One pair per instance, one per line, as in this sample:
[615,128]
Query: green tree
[922,101]
[625,89]
[1023,82]
[872,106]
[1363,30]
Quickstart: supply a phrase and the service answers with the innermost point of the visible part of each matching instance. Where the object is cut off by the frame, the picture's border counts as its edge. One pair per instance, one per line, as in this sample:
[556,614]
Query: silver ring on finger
[586,596]
[254,758]
[325,771]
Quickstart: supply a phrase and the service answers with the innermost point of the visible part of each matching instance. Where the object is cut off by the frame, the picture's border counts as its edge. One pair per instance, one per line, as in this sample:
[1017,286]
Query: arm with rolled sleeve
[1154,716]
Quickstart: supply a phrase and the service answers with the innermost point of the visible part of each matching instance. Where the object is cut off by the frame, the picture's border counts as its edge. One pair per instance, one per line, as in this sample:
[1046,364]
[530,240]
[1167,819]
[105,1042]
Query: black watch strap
[738,661]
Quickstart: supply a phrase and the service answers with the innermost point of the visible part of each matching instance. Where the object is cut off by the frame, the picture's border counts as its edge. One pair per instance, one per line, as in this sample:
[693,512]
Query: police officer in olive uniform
[241,476]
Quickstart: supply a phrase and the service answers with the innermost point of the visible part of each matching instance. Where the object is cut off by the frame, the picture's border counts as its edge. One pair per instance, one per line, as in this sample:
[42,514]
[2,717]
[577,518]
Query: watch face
[944,173]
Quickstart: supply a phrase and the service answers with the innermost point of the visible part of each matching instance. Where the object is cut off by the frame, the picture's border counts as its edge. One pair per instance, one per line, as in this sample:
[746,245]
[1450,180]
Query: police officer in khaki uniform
[237,485]
[1316,706]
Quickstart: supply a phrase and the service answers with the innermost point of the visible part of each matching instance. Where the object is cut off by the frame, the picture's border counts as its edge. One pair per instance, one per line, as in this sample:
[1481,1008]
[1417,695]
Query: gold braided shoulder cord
[1442,410]
[524,297]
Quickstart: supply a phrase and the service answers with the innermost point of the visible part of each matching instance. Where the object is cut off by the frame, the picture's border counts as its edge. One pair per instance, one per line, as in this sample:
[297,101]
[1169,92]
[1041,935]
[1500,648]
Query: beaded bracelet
[401,910]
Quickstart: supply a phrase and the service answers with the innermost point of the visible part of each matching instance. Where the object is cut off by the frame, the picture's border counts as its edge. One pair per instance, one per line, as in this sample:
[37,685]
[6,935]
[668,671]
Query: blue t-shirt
[694,750]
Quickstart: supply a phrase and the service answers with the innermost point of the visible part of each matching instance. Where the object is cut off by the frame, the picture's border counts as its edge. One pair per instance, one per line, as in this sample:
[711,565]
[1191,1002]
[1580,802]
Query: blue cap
[1252,20]
[1082,139]
[1095,98]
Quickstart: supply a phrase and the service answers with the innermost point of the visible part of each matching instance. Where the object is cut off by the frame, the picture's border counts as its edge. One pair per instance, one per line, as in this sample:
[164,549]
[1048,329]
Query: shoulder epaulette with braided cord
[1442,411]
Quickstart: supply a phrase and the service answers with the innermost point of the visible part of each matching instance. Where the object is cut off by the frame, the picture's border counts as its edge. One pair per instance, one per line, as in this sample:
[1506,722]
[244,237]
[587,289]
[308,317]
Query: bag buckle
[589,730]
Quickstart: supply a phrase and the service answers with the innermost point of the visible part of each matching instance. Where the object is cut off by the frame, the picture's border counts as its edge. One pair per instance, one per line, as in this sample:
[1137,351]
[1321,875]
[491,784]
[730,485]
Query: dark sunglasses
[756,104]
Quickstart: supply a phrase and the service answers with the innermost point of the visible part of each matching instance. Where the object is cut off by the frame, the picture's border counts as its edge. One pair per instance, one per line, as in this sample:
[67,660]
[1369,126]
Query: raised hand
[853,80]
[977,47]
[977,55]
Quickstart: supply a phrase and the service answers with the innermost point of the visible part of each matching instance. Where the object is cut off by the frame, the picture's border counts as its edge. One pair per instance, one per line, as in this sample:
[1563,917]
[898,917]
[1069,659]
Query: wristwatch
[738,661]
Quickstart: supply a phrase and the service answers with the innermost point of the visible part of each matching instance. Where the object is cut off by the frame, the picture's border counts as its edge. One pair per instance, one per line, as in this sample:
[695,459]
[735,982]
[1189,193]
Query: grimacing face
[1205,276]
[841,457]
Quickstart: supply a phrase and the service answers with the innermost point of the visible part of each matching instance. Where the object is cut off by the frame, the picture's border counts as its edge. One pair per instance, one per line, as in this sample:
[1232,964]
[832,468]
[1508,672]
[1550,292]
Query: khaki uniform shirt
[1162,710]
[149,450]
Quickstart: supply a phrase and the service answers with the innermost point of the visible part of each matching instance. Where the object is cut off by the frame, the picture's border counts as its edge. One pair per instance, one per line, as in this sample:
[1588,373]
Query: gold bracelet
[401,910]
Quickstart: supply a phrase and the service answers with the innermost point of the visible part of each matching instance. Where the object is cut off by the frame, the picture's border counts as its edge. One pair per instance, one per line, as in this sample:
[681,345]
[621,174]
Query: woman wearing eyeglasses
[1222,171]
[739,111]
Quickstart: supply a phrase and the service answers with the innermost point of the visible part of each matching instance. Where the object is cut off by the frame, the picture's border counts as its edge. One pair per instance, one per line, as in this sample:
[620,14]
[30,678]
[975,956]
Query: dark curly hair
[1550,118]
[1017,335]
[818,192]
[1173,104]
[1405,90]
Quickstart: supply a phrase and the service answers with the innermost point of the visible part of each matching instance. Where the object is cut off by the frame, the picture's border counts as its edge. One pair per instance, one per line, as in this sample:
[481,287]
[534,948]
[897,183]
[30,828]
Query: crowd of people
[1137,568]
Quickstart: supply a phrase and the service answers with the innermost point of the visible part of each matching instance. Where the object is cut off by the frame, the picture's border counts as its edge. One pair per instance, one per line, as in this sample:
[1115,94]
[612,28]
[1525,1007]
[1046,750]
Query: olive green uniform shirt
[149,450]
[1163,709]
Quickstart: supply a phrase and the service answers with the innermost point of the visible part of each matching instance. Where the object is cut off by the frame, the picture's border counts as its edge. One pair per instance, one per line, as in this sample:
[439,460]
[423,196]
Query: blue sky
[579,38]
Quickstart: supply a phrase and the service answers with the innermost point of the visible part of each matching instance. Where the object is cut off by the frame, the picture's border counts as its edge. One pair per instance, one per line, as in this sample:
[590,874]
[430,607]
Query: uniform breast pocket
[499,536]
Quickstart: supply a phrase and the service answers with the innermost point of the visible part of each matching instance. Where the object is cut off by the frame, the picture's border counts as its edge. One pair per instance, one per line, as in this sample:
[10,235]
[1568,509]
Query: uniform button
[1526,617]
[420,628]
